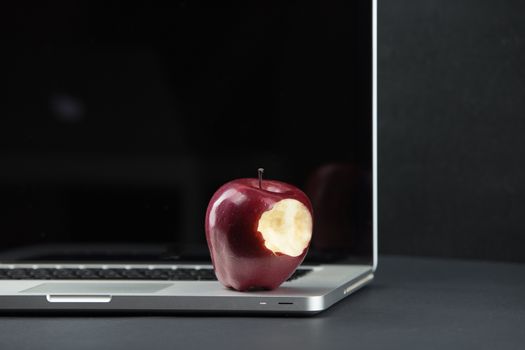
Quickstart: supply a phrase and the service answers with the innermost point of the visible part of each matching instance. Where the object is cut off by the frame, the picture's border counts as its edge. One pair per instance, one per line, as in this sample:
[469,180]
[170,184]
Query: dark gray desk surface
[413,303]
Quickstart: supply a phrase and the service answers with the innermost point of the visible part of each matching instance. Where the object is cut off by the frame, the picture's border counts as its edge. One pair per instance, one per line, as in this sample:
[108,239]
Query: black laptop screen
[120,121]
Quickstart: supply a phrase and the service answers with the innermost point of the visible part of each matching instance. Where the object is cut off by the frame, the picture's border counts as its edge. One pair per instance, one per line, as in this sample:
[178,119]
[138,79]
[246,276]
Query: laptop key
[110,274]
[64,274]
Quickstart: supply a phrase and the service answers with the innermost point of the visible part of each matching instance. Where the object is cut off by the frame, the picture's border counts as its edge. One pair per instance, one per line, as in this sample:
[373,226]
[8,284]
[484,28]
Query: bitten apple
[258,232]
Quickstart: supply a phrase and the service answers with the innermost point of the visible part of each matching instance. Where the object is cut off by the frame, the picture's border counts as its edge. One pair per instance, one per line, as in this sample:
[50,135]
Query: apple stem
[261,171]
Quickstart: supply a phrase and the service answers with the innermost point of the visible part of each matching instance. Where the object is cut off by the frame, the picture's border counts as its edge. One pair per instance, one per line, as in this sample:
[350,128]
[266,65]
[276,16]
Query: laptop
[122,121]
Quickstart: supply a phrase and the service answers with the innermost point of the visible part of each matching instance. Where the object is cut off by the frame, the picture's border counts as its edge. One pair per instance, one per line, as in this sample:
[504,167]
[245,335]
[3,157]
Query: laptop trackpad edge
[105,288]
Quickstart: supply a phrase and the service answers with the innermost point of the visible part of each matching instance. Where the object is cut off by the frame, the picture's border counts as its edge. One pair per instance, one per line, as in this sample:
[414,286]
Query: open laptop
[122,121]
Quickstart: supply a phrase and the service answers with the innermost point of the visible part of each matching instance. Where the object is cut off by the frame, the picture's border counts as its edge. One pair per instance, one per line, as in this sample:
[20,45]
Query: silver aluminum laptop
[122,122]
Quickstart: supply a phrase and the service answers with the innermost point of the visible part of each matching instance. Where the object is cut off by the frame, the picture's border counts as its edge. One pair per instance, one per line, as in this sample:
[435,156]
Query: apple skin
[239,256]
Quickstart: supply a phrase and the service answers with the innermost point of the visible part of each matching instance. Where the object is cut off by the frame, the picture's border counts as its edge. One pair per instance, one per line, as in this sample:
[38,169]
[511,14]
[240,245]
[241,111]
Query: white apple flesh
[286,227]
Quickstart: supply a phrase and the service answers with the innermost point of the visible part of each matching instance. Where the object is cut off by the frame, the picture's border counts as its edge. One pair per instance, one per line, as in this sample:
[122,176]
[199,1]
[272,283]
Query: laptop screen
[121,121]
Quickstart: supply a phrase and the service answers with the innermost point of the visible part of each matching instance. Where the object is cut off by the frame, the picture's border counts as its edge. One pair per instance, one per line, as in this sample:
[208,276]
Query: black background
[452,128]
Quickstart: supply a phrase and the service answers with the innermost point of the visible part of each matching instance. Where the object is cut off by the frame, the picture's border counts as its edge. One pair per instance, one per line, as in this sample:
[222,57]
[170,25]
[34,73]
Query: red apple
[258,232]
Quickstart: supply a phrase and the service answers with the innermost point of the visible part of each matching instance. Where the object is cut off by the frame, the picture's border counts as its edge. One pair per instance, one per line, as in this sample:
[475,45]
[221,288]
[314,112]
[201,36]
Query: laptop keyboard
[163,274]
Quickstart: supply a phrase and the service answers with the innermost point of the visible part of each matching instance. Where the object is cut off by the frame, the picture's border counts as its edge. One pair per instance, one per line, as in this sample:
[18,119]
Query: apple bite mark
[286,227]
